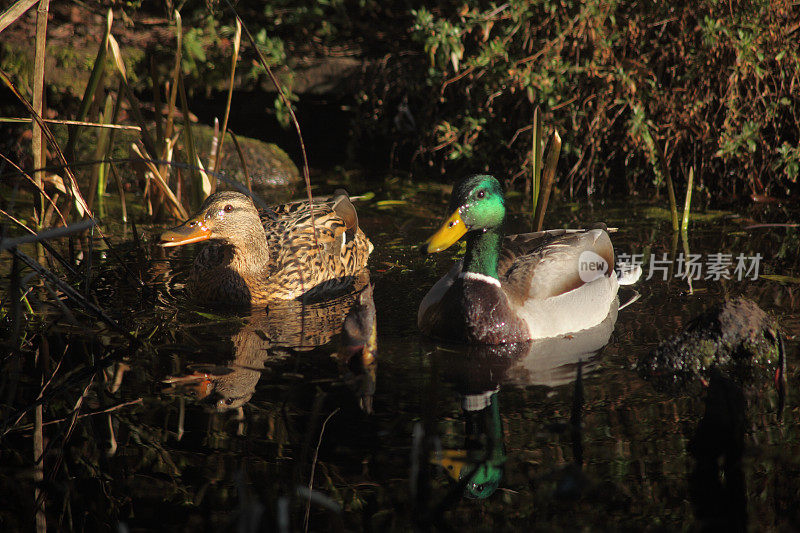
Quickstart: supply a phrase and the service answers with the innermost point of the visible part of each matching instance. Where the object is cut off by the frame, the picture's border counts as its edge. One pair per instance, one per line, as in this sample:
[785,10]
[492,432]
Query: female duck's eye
[481,194]
[228,208]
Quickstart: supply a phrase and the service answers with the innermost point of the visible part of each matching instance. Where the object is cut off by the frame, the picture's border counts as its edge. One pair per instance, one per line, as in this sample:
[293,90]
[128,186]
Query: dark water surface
[222,421]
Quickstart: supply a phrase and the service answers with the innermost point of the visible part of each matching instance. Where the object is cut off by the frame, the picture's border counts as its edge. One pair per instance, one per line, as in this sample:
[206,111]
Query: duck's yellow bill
[453,462]
[193,230]
[452,230]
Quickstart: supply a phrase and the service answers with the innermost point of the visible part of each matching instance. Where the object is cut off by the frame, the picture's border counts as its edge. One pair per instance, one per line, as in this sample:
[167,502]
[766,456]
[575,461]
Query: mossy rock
[737,337]
[268,165]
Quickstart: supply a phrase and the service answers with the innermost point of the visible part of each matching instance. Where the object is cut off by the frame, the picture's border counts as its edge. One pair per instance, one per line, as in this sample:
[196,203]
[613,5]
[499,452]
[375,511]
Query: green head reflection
[481,468]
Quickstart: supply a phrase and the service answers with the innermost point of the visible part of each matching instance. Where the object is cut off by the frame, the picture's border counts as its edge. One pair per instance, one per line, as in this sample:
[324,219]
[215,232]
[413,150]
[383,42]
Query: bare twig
[51,139]
[111,409]
[313,468]
[38,456]
[25,120]
[237,40]
[288,104]
[74,295]
[757,226]
[241,160]
[37,185]
[44,243]
[73,419]
[53,233]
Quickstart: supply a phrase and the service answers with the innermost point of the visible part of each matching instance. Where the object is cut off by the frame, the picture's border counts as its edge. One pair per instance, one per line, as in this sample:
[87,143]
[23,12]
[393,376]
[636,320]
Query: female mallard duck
[523,287]
[256,257]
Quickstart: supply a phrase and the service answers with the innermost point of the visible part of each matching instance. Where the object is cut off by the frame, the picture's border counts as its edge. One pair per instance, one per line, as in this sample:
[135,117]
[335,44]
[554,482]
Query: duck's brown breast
[475,311]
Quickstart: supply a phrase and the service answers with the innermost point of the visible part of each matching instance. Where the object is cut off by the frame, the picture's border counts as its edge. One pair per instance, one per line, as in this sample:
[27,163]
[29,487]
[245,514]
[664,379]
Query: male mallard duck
[519,288]
[256,257]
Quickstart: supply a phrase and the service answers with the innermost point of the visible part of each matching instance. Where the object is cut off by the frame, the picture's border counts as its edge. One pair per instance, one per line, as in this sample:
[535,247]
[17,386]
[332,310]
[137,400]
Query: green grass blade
[100,172]
[688,202]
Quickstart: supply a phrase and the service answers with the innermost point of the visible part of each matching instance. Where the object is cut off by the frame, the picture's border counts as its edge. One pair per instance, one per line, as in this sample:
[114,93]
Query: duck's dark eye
[228,208]
[481,194]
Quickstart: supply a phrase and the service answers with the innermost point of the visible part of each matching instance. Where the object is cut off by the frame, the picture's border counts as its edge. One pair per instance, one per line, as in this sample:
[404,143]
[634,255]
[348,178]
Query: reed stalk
[536,158]
[121,189]
[39,147]
[173,86]
[162,185]
[105,166]
[200,189]
[237,41]
[100,171]
[79,200]
[38,453]
[673,206]
[156,101]
[135,106]
[147,141]
[98,70]
[14,11]
[548,177]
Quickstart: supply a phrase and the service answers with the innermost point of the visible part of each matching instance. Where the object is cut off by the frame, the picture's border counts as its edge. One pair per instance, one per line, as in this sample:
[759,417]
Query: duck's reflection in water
[280,329]
[479,371]
[358,346]
[717,483]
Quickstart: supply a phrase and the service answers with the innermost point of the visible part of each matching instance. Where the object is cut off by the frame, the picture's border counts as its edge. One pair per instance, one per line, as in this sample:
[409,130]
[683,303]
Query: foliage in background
[450,87]
[711,84]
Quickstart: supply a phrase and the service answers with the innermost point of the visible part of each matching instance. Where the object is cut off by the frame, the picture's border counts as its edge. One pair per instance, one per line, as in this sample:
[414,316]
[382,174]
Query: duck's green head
[477,204]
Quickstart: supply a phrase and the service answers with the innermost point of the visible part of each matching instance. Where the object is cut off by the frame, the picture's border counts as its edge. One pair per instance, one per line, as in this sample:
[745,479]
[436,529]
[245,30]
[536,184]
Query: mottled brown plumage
[257,257]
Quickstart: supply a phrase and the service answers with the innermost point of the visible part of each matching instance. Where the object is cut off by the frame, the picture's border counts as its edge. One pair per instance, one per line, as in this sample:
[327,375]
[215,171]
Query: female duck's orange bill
[193,230]
[452,230]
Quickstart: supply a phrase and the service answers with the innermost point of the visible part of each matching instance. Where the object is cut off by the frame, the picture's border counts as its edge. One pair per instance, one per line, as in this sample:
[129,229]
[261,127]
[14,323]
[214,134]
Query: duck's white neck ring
[480,277]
